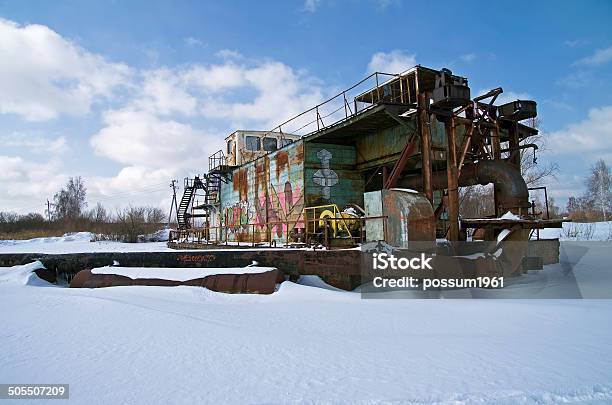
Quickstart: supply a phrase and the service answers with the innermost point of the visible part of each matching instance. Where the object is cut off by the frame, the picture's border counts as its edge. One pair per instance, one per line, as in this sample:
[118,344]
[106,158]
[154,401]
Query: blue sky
[130,94]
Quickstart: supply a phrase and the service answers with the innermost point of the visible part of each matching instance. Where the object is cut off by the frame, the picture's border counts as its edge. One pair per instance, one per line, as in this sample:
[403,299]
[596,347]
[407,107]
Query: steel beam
[425,146]
[453,181]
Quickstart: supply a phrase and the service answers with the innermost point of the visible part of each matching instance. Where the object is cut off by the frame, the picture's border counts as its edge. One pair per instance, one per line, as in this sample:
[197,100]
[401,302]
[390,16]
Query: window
[270,144]
[230,147]
[253,143]
[284,142]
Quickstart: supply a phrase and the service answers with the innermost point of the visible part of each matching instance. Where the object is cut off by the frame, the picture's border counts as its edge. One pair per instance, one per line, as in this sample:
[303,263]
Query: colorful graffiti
[270,207]
[325,176]
[284,207]
[237,216]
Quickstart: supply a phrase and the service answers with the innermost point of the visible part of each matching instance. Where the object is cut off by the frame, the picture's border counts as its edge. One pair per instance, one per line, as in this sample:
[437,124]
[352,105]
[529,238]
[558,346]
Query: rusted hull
[251,283]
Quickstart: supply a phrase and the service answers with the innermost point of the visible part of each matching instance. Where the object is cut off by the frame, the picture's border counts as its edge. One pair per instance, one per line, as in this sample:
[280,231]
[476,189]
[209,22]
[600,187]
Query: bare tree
[155,215]
[71,201]
[598,187]
[533,172]
[99,215]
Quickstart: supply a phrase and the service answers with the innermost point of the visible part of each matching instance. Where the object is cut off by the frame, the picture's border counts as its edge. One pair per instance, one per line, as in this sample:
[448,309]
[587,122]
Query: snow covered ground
[580,231]
[306,343]
[77,243]
[177,273]
[81,242]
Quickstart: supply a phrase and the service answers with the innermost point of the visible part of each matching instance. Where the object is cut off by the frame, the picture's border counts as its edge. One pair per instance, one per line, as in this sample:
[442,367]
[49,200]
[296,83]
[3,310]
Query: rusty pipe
[509,185]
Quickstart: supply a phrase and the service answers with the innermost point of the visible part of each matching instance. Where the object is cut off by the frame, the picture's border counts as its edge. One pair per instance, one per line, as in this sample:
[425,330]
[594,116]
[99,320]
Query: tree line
[69,213]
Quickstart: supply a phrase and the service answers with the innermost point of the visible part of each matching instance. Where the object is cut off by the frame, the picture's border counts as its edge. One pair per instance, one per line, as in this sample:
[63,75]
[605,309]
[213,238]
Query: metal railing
[335,109]
[220,235]
[216,160]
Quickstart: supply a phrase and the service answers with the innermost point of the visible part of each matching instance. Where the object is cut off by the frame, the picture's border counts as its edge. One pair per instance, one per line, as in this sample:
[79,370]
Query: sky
[132,94]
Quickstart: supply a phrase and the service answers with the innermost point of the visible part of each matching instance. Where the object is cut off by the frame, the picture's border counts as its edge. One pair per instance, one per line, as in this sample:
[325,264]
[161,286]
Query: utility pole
[48,210]
[174,203]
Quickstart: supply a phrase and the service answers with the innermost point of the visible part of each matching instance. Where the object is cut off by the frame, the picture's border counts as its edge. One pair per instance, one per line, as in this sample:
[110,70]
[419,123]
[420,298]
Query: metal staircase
[210,184]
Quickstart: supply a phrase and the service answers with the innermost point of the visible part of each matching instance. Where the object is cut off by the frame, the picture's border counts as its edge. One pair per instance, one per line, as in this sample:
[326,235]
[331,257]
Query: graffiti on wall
[275,206]
[236,216]
[285,206]
[325,176]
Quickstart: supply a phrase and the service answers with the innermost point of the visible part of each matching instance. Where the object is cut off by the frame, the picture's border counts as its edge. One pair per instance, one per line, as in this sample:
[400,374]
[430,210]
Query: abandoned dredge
[381,161]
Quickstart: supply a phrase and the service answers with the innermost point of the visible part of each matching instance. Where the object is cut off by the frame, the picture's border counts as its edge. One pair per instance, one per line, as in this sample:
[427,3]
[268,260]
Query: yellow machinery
[338,221]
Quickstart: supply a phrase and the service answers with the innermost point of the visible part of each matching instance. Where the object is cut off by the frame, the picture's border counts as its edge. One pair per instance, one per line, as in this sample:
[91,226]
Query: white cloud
[280,93]
[164,92]
[395,61]
[576,80]
[191,41]
[34,143]
[311,5]
[563,186]
[600,57]
[468,57]
[260,93]
[589,139]
[214,78]
[43,75]
[151,131]
[145,140]
[384,4]
[26,184]
[573,43]
[229,54]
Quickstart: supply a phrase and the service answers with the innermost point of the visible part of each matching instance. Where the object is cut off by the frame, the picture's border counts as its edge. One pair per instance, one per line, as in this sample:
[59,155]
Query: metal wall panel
[330,176]
[267,190]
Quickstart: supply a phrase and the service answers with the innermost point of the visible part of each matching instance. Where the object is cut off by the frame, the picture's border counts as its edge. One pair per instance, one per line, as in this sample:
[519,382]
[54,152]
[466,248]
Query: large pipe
[509,185]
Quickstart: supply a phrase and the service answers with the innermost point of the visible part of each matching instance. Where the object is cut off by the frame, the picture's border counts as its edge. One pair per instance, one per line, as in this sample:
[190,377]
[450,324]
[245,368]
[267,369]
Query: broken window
[284,142]
[252,143]
[269,144]
[230,147]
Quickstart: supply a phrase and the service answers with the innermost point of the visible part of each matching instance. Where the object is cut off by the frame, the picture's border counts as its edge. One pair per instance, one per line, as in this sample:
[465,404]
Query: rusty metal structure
[248,283]
[418,130]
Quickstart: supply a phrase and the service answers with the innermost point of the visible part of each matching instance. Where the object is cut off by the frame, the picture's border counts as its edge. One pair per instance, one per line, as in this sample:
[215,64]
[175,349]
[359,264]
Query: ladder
[210,183]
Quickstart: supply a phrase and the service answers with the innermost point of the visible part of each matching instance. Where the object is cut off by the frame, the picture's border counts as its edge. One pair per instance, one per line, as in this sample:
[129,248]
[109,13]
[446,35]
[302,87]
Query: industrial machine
[394,148]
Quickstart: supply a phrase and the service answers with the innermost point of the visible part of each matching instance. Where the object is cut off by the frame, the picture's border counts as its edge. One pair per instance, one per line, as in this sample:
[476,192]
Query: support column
[425,147]
[453,181]
[513,144]
[495,143]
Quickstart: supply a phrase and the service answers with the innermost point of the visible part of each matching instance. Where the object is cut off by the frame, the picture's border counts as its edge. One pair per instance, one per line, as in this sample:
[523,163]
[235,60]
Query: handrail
[278,128]
[175,235]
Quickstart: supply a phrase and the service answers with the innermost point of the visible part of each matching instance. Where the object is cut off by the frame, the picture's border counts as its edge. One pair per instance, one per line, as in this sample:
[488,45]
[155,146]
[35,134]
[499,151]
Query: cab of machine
[243,146]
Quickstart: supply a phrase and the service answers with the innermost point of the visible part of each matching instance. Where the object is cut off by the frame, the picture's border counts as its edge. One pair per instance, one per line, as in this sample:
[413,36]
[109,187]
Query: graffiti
[284,207]
[237,216]
[325,176]
[195,258]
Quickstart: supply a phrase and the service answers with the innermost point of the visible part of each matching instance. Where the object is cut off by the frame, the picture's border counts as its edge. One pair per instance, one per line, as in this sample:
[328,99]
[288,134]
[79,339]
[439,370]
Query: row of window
[254,143]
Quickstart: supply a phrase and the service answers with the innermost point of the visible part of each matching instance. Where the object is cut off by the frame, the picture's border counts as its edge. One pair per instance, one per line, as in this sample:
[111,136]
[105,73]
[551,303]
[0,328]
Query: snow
[407,190]
[509,215]
[351,211]
[79,242]
[502,235]
[308,343]
[176,273]
[576,231]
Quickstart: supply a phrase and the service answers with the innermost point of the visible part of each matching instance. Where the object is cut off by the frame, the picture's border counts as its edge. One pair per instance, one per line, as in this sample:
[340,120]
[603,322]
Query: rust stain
[299,152]
[282,161]
[243,185]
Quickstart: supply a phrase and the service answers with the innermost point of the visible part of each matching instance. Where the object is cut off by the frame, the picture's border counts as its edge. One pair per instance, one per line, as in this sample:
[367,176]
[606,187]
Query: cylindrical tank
[409,217]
